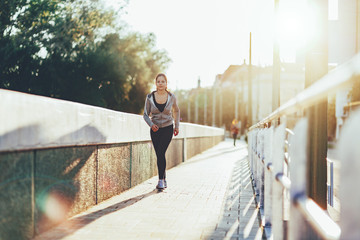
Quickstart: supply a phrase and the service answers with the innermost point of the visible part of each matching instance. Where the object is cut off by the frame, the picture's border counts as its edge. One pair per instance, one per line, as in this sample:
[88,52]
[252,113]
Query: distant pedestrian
[234,129]
[161,112]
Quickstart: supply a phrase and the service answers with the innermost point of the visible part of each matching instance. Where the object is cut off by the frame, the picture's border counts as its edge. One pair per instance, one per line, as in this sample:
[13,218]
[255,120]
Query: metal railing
[330,182]
[278,162]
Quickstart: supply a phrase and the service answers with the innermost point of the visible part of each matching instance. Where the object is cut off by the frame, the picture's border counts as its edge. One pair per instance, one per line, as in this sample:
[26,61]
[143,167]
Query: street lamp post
[205,107]
[197,107]
[220,107]
[250,89]
[197,102]
[189,110]
[213,105]
[236,103]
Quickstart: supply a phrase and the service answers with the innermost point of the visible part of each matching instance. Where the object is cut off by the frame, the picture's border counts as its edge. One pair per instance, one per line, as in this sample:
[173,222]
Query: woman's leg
[161,140]
[155,138]
[165,141]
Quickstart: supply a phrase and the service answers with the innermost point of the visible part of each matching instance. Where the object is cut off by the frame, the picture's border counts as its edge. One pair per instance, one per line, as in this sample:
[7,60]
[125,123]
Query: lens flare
[56,208]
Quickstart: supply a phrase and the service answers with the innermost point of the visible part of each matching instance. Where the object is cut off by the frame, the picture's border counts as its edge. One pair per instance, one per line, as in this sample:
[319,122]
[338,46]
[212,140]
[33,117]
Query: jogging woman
[160,113]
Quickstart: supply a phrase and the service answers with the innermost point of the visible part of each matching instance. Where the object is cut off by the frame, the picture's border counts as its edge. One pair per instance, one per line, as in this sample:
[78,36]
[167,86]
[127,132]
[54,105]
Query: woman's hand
[176,131]
[154,128]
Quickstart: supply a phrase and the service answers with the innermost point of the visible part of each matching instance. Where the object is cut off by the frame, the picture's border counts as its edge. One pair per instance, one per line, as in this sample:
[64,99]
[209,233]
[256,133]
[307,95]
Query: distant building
[344,43]
[235,79]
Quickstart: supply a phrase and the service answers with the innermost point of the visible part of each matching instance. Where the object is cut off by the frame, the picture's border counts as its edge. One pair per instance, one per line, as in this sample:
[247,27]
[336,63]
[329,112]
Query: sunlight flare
[56,208]
[294,29]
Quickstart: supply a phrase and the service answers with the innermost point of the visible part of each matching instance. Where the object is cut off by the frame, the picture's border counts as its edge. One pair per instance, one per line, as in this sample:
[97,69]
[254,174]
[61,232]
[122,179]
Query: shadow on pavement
[240,216]
[77,223]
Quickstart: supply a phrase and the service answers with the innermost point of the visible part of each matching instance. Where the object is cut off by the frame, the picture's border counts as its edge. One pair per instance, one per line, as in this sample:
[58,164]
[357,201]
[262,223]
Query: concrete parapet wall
[32,122]
[59,157]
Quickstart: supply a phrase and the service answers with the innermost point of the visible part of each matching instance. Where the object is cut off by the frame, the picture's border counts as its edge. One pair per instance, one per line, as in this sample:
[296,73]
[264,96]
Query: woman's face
[161,83]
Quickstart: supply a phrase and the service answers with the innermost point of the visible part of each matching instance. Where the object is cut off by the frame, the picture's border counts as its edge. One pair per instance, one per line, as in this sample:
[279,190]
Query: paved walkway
[208,197]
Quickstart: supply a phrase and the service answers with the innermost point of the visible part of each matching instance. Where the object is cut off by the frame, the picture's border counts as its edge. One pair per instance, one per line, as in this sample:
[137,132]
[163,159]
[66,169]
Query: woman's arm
[147,110]
[176,116]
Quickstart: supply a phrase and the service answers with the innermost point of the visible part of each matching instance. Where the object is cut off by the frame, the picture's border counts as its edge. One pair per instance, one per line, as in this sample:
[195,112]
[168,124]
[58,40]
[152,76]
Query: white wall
[29,121]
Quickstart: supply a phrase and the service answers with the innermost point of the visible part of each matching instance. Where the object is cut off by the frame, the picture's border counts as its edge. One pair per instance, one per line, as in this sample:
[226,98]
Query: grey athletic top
[171,113]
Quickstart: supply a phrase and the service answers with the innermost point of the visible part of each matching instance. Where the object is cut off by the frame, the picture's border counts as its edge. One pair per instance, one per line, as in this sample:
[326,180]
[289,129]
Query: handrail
[284,180]
[289,131]
[341,76]
[353,104]
[318,219]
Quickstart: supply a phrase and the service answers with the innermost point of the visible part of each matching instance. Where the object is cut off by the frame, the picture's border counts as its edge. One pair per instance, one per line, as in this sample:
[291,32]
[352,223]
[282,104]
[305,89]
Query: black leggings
[161,140]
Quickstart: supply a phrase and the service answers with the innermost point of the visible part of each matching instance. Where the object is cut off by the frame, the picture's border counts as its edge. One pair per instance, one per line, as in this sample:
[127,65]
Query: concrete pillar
[316,66]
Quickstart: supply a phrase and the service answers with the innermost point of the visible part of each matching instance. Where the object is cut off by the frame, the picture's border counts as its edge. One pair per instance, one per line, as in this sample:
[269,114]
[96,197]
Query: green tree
[33,28]
[125,69]
[57,48]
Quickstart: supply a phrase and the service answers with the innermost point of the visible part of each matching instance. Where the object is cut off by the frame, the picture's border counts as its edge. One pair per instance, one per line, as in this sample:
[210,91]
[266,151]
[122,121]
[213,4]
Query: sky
[204,37]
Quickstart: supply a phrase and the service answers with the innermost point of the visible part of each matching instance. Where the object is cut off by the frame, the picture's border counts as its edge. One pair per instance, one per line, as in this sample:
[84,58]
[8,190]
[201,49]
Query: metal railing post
[253,144]
[277,189]
[298,150]
[258,166]
[349,153]
[255,161]
[330,182]
[261,172]
[268,178]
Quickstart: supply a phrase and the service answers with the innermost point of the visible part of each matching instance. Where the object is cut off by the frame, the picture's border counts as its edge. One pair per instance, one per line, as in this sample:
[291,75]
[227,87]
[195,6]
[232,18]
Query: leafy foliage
[57,48]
